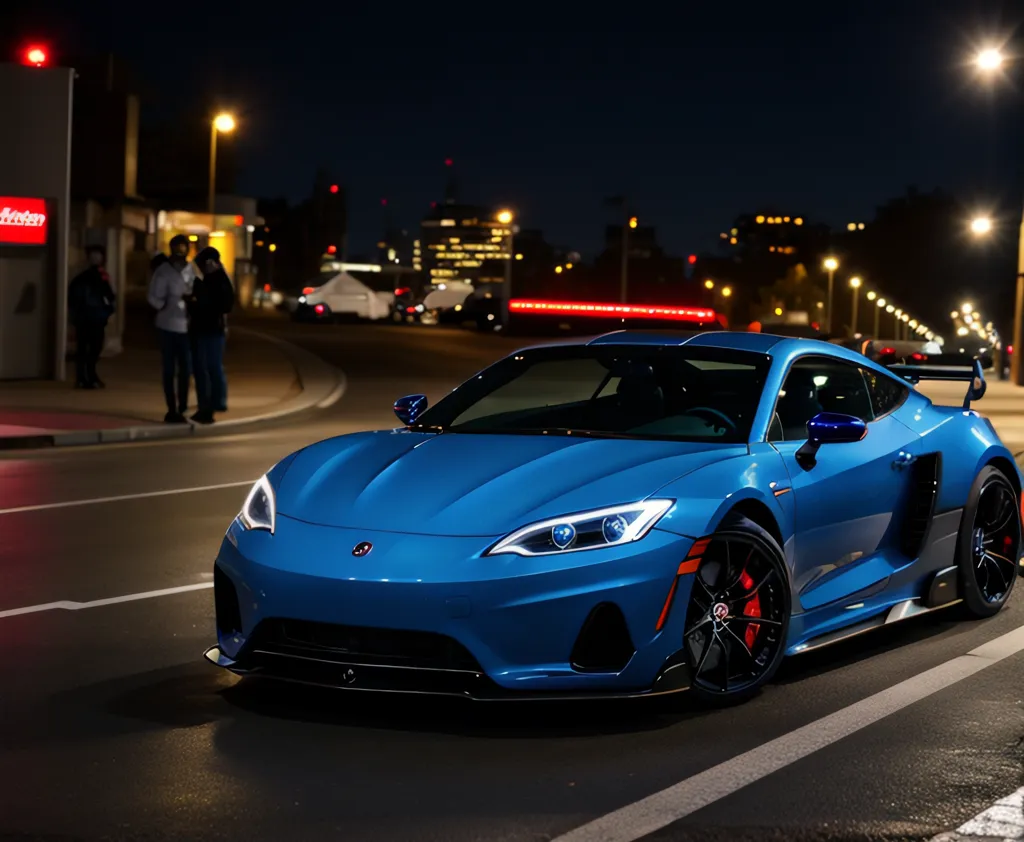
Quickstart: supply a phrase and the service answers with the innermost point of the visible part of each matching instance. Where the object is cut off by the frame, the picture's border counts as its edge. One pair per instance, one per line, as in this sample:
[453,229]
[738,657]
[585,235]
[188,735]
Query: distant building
[771,232]
[464,243]
[398,247]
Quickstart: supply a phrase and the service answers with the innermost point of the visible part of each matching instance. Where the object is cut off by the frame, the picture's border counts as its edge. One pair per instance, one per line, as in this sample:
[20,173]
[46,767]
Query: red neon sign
[23,222]
[584,308]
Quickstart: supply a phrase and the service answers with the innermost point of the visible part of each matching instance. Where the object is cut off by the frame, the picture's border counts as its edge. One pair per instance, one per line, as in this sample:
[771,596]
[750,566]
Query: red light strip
[585,308]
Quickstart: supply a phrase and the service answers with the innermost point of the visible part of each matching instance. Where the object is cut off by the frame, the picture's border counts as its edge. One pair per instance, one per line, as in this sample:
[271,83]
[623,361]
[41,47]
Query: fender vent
[924,489]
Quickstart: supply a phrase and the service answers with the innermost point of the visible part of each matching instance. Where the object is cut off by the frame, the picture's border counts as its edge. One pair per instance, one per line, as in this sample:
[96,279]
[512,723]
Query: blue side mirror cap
[835,428]
[409,408]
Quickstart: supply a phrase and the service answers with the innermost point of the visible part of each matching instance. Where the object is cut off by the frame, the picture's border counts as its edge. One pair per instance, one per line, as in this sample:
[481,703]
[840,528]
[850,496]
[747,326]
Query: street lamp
[855,283]
[966,308]
[981,226]
[726,292]
[831,264]
[505,217]
[709,284]
[223,123]
[989,60]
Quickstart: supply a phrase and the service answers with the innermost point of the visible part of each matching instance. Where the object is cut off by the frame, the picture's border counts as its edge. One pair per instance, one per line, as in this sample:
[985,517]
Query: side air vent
[924,488]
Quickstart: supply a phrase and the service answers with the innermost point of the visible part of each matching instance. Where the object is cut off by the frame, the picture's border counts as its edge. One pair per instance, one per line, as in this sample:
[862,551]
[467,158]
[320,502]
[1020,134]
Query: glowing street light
[505,217]
[989,60]
[726,292]
[633,222]
[855,283]
[981,225]
[966,308]
[872,295]
[709,284]
[223,123]
[830,264]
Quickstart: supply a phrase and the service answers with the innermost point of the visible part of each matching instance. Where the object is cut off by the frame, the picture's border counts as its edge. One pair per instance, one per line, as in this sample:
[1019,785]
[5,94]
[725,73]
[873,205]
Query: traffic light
[688,271]
[335,188]
[332,249]
[691,259]
[633,222]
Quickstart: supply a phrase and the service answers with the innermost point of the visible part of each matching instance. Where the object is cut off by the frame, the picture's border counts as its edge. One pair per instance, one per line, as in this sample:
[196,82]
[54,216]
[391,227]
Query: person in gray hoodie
[169,289]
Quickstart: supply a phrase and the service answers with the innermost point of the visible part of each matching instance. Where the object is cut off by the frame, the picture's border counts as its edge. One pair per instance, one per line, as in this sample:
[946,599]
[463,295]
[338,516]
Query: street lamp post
[624,272]
[222,123]
[855,283]
[831,264]
[505,217]
[878,309]
[990,61]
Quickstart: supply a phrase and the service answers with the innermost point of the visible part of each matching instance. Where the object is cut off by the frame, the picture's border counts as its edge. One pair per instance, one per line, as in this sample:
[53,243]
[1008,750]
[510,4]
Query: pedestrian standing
[169,291]
[213,297]
[91,302]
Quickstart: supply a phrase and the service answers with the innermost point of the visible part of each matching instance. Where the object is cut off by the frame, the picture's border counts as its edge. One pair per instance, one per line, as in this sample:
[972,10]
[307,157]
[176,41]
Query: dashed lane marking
[66,605]
[66,504]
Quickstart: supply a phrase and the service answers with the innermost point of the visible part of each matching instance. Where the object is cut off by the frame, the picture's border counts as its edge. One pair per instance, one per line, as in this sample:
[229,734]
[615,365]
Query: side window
[887,394]
[818,384]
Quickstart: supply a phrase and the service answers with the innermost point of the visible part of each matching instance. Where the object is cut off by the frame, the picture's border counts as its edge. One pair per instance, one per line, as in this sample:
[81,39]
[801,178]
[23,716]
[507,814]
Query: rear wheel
[738,615]
[988,548]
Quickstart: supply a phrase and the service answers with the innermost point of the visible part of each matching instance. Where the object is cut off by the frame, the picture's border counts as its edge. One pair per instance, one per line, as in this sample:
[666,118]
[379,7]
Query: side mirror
[409,408]
[829,428]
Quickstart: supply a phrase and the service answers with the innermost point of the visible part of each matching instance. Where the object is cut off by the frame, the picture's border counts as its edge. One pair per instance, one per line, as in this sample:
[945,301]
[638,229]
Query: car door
[847,504]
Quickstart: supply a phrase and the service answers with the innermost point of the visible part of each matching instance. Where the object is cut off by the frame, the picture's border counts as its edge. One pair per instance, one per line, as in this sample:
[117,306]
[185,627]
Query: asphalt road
[112,727]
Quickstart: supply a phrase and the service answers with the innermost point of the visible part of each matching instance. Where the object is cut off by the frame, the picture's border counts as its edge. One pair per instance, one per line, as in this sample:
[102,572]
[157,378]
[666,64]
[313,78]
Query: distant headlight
[585,531]
[302,299]
[260,509]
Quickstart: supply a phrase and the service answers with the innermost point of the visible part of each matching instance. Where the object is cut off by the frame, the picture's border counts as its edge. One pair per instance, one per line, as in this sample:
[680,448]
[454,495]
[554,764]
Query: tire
[988,546]
[742,575]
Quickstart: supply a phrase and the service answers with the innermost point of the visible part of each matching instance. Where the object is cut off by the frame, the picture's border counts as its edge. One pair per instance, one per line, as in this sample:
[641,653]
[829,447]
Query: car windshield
[610,391]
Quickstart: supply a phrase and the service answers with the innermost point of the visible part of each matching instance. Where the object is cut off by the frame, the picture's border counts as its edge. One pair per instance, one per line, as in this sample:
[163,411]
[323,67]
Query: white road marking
[661,809]
[66,605]
[1004,820]
[39,507]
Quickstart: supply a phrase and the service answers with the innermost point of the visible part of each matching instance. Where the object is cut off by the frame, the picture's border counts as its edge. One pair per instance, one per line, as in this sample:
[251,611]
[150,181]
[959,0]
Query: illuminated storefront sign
[23,222]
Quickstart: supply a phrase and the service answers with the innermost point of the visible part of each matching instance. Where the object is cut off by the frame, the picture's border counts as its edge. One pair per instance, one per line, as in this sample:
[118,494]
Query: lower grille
[366,645]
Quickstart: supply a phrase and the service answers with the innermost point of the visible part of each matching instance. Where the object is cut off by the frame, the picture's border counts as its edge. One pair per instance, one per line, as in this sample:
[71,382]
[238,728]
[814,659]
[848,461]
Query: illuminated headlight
[302,299]
[260,509]
[585,531]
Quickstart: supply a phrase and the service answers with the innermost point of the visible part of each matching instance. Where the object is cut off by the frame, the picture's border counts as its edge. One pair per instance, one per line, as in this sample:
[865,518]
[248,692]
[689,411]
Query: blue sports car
[631,515]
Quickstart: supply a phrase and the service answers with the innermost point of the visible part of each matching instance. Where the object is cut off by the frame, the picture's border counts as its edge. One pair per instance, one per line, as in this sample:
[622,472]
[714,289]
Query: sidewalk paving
[267,377]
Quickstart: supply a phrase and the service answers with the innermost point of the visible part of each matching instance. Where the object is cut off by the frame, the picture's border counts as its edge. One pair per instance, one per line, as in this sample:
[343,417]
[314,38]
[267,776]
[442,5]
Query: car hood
[473,484]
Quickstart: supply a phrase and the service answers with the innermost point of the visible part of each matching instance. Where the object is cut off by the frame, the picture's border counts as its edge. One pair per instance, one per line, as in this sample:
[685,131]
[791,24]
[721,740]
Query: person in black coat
[91,303]
[213,297]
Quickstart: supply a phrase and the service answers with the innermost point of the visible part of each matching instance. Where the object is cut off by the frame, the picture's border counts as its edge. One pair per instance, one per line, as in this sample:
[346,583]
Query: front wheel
[738,615]
[988,547]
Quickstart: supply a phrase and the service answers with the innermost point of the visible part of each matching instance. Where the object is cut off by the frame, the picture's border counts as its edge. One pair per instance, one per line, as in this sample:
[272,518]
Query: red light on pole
[448,162]
[35,56]
[332,249]
[691,259]
[334,188]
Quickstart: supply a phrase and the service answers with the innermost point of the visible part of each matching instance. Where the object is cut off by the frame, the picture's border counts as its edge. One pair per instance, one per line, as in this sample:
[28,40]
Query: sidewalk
[267,378]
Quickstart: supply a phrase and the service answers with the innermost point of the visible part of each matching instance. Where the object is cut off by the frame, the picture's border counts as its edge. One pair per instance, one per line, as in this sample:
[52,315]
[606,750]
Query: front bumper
[425,614]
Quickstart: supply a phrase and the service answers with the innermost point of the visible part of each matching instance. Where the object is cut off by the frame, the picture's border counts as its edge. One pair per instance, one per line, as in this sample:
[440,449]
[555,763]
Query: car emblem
[721,611]
[349,676]
[362,548]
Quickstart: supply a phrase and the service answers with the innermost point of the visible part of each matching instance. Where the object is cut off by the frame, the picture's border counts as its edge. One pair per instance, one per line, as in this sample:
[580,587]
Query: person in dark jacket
[91,302]
[213,297]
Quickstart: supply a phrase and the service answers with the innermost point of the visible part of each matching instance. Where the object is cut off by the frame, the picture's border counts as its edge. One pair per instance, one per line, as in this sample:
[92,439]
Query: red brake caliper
[751,609]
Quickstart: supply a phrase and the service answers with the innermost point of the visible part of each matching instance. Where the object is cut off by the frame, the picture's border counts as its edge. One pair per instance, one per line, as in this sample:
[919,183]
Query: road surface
[114,728]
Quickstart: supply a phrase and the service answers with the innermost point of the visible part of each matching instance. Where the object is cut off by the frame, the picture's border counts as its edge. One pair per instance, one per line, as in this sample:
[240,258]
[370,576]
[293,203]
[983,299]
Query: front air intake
[604,644]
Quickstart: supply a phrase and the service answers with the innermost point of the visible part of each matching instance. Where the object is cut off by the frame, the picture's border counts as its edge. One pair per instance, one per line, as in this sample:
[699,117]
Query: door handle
[903,459]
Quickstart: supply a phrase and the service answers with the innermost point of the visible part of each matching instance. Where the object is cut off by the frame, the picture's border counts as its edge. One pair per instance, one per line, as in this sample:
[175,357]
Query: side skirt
[943,592]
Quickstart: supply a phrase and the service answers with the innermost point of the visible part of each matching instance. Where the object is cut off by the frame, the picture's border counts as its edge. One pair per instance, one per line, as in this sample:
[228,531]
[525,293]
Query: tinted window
[886,393]
[628,391]
[818,384]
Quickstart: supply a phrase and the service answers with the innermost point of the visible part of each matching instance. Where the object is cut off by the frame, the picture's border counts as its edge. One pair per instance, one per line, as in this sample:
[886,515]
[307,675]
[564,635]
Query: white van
[340,293]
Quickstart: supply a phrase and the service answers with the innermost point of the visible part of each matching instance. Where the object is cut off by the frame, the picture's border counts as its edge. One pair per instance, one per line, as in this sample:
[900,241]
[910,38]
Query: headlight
[585,531]
[260,509]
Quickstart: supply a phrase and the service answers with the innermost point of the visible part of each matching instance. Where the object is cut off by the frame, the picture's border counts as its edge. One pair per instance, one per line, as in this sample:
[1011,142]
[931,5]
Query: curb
[321,384]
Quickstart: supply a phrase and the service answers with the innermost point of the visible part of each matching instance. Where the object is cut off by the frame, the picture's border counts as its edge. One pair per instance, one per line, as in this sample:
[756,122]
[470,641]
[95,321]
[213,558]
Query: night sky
[821,109]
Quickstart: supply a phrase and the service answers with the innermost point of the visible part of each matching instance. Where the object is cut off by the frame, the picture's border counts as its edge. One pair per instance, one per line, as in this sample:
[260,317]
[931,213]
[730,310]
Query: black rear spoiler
[973,375]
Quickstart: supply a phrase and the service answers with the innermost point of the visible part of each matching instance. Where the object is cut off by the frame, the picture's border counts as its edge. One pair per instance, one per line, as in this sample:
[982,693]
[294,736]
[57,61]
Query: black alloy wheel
[738,615]
[988,549]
